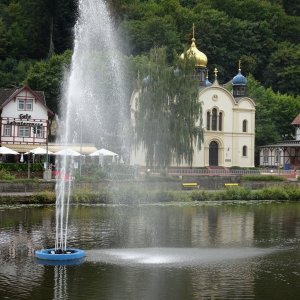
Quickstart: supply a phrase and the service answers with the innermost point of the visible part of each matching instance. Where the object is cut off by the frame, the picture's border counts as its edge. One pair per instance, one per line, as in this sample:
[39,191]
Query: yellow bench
[190,185]
[231,184]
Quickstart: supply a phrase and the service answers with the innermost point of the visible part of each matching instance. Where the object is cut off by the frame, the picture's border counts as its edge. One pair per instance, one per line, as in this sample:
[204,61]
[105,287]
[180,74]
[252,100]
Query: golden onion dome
[201,58]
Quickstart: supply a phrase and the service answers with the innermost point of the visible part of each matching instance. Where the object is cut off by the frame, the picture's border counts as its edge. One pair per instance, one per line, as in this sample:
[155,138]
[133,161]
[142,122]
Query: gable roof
[296,121]
[7,95]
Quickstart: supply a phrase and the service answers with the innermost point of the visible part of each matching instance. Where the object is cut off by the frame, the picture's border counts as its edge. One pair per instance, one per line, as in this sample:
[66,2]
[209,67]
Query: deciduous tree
[168,114]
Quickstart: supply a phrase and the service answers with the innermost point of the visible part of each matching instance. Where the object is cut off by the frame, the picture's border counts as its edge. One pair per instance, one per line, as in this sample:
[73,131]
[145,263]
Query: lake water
[169,251]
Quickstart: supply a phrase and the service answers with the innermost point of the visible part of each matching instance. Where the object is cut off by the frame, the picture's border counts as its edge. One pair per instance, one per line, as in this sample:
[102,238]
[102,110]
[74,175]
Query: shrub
[293,192]
[8,177]
[170,196]
[273,193]
[262,178]
[88,196]
[237,193]
[19,167]
[45,197]
[199,196]
[128,194]
[4,175]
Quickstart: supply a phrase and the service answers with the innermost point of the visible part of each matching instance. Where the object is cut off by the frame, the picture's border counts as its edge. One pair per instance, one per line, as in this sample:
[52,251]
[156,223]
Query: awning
[85,149]
[104,152]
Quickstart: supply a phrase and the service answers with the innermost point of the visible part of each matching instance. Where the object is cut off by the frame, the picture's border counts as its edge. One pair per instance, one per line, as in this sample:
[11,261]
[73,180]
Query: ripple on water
[20,279]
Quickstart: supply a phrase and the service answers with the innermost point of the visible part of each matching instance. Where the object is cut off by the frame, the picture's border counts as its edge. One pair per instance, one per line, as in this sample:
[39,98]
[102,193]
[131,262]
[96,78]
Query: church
[228,120]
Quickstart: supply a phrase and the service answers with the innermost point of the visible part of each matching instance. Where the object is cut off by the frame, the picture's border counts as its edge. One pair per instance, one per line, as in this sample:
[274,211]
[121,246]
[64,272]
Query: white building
[228,121]
[24,119]
[284,154]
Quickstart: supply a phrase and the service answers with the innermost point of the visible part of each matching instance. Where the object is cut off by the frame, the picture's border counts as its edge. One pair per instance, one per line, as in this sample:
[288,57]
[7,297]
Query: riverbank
[131,194]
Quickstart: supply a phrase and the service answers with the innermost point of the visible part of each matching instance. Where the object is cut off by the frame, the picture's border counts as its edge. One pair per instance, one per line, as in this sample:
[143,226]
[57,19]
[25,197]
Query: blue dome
[207,82]
[239,79]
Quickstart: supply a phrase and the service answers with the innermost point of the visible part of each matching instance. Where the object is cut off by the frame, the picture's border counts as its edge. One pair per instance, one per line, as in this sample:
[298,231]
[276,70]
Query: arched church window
[245,129]
[214,119]
[244,150]
[220,121]
[208,120]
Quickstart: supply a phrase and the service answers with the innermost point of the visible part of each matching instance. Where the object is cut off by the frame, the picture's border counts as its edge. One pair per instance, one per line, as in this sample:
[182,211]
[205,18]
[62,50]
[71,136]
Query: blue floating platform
[69,254]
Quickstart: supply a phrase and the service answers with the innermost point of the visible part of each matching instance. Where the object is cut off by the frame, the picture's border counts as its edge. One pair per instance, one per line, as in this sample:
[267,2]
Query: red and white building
[24,119]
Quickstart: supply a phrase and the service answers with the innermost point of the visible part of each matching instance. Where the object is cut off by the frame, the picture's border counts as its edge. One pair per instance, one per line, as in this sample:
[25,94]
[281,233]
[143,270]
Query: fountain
[92,108]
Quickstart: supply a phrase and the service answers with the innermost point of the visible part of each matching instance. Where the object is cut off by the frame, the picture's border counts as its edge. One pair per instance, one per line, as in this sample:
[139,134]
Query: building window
[220,121]
[266,155]
[208,120]
[7,130]
[239,91]
[214,119]
[244,150]
[24,131]
[245,123]
[39,132]
[21,104]
[277,156]
[25,104]
[28,104]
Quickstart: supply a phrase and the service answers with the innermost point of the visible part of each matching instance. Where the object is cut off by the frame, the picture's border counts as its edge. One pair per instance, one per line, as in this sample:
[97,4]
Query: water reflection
[156,252]
[60,283]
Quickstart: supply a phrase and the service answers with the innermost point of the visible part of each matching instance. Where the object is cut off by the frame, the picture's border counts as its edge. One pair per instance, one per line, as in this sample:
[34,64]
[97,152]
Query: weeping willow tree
[168,120]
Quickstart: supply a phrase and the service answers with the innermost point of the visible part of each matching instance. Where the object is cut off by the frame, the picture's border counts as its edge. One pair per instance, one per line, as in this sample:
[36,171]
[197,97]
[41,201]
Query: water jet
[86,115]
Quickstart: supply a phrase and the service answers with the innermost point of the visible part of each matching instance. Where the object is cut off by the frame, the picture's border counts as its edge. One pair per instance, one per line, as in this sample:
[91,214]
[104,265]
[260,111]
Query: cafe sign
[24,121]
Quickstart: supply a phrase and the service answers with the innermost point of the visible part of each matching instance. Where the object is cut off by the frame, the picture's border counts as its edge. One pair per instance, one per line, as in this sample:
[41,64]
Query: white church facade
[228,121]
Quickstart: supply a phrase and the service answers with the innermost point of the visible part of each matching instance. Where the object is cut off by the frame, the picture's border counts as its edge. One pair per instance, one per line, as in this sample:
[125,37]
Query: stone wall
[26,187]
[204,182]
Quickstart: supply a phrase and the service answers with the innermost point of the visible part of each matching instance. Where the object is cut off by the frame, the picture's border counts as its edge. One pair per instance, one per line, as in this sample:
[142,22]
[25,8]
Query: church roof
[239,79]
[193,51]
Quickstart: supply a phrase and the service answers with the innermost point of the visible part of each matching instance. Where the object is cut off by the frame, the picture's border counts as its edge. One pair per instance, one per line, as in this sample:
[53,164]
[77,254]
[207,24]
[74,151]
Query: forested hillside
[36,39]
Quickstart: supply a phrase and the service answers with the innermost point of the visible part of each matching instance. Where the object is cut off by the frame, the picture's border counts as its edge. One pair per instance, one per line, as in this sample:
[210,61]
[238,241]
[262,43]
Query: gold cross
[239,65]
[216,72]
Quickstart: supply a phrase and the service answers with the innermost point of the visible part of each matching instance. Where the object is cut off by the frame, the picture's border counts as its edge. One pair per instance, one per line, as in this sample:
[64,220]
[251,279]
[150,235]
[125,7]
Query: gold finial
[240,65]
[201,58]
[216,73]
[193,38]
[193,30]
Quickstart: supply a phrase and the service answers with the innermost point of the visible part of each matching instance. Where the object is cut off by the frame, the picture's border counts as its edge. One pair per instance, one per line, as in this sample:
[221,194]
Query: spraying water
[93,104]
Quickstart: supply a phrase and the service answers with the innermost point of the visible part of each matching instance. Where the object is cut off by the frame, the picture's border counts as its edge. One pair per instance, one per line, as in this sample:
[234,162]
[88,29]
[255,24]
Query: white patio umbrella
[104,152]
[40,151]
[5,150]
[67,152]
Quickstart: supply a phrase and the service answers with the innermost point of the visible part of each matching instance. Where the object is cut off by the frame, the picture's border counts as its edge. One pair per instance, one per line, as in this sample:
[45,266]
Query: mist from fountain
[93,103]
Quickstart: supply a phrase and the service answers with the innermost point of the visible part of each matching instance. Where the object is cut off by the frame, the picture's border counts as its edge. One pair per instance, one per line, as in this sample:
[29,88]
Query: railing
[224,171]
